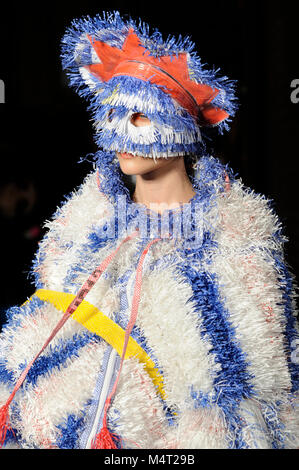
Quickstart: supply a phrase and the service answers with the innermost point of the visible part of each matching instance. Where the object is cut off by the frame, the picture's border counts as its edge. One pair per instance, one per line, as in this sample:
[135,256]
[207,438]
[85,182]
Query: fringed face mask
[164,135]
[123,70]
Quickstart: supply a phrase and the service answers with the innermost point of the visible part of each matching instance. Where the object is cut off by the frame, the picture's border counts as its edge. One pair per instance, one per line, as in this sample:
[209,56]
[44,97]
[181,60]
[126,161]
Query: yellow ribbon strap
[96,322]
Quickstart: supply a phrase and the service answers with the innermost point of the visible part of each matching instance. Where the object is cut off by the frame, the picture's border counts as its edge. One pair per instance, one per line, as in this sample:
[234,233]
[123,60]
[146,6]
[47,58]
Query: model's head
[149,97]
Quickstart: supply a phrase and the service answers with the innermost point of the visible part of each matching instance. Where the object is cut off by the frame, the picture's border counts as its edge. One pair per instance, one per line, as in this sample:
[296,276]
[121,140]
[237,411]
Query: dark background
[45,128]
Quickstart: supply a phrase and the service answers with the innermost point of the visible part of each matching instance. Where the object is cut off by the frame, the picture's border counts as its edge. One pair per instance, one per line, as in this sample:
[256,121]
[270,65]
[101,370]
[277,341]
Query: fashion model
[163,315]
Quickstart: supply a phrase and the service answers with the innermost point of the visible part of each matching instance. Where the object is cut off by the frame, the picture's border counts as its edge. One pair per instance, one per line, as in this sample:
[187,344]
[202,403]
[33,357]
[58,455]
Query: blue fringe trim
[270,412]
[70,432]
[6,376]
[14,314]
[57,356]
[232,381]
[108,138]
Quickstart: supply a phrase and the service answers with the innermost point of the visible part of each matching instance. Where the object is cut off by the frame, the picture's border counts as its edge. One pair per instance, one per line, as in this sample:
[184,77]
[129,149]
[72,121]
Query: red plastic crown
[169,71]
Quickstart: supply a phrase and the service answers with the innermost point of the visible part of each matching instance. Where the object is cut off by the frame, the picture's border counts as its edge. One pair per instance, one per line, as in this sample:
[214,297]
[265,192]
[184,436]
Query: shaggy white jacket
[218,320]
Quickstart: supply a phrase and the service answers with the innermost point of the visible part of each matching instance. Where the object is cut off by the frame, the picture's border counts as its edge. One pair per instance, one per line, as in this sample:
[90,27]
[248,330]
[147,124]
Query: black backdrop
[45,128]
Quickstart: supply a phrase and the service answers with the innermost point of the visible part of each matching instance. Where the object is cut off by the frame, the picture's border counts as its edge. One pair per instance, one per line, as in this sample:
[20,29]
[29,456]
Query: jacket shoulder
[249,219]
[69,228]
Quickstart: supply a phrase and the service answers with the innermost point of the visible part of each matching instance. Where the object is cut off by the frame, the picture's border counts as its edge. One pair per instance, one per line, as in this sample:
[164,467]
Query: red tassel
[104,440]
[4,423]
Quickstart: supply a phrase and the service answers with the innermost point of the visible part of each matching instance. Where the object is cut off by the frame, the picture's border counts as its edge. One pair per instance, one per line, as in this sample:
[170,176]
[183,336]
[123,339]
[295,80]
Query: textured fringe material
[93,278]
[104,440]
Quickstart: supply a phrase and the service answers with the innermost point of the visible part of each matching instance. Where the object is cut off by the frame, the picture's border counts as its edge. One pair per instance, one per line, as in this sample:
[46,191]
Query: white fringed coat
[218,320]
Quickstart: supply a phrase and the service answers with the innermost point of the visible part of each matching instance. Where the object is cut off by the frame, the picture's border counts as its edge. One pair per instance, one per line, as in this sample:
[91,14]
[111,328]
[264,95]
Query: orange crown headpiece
[170,72]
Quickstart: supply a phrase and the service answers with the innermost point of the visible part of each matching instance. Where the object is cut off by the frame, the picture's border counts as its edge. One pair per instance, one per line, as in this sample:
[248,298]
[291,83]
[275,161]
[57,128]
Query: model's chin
[133,166]
[127,156]
[138,165]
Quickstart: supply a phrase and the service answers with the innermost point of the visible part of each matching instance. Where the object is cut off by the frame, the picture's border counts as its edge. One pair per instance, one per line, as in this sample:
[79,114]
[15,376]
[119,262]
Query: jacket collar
[209,180]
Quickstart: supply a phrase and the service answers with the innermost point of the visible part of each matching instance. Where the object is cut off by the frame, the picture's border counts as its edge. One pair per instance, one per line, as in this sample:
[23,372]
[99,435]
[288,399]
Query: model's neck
[166,187]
